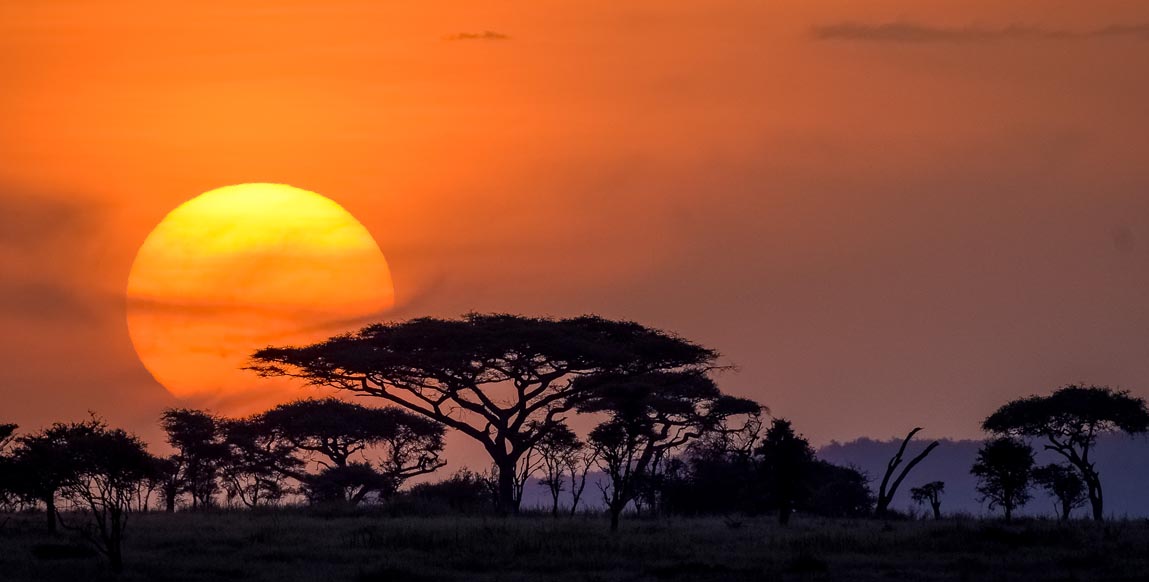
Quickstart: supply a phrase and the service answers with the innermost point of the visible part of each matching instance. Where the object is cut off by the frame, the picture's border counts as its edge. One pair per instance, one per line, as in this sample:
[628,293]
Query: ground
[292,546]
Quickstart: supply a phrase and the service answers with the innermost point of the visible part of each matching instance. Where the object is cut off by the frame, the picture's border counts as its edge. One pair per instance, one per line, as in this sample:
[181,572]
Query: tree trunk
[1065,509]
[50,512]
[615,512]
[1096,501]
[1008,513]
[937,507]
[505,503]
[784,512]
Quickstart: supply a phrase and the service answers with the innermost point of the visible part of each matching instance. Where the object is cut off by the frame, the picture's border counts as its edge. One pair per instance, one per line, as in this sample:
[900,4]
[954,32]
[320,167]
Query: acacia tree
[930,493]
[557,451]
[257,463]
[1064,484]
[1004,468]
[168,481]
[503,380]
[1070,420]
[108,466]
[887,489]
[198,438]
[786,461]
[401,445]
[650,415]
[40,466]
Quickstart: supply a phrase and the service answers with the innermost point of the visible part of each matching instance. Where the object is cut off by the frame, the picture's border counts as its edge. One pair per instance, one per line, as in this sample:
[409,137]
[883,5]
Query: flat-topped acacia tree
[503,380]
[1070,420]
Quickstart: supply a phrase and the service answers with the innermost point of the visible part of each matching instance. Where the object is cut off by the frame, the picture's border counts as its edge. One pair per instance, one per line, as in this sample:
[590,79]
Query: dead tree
[886,490]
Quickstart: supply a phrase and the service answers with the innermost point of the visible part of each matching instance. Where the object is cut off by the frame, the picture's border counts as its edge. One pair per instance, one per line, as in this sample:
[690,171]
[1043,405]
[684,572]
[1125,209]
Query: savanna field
[289,545]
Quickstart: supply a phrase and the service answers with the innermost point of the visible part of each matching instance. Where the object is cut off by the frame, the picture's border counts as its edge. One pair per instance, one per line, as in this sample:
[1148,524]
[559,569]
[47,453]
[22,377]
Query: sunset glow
[242,266]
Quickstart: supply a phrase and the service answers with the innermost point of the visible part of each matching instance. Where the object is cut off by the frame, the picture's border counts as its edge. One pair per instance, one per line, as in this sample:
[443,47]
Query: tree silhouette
[40,466]
[257,463]
[168,481]
[1070,420]
[503,380]
[930,493]
[558,450]
[1064,484]
[578,466]
[887,489]
[786,460]
[197,436]
[837,491]
[650,415]
[1004,468]
[109,465]
[716,474]
[350,483]
[465,491]
[405,445]
[526,467]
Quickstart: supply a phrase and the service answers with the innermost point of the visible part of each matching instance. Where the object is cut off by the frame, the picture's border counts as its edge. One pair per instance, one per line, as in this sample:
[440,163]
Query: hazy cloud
[29,219]
[485,35]
[40,236]
[913,32]
[40,300]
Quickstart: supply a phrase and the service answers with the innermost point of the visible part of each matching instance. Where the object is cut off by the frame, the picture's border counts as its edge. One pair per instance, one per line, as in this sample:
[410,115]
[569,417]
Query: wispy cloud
[913,32]
[485,35]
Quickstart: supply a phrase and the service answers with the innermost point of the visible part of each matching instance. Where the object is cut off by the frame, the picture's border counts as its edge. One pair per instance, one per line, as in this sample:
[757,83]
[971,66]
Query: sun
[241,267]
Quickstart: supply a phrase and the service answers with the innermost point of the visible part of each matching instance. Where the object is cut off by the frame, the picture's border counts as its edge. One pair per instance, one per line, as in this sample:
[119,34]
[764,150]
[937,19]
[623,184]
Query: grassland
[292,546]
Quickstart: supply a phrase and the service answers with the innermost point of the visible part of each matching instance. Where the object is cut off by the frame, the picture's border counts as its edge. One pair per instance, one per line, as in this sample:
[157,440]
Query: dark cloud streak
[913,32]
[485,35]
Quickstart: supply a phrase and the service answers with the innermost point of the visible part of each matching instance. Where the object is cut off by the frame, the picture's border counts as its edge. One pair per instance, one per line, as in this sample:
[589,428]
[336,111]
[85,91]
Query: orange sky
[886,213]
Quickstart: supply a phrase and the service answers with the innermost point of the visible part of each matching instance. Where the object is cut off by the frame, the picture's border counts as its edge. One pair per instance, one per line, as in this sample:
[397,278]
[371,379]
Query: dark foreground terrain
[289,546]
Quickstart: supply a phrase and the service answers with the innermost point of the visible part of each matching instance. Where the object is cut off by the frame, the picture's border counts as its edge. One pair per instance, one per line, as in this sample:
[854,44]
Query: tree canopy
[405,444]
[503,380]
[107,466]
[1004,469]
[649,415]
[1070,420]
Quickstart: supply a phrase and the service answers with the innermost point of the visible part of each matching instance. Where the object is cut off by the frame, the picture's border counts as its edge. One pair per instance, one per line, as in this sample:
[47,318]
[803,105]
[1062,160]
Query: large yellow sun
[241,267]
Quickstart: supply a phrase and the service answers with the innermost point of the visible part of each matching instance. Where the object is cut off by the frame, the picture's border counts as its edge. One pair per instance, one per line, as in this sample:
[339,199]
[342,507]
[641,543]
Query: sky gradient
[887,214]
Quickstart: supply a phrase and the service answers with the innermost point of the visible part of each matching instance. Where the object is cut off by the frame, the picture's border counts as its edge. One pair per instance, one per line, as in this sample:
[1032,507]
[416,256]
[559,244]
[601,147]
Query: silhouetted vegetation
[559,451]
[666,443]
[198,438]
[930,493]
[888,488]
[1070,420]
[649,416]
[1064,484]
[1004,469]
[456,372]
[787,461]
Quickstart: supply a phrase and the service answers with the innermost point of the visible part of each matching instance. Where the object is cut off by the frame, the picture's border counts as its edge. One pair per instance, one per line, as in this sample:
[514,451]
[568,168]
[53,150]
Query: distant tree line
[667,441]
